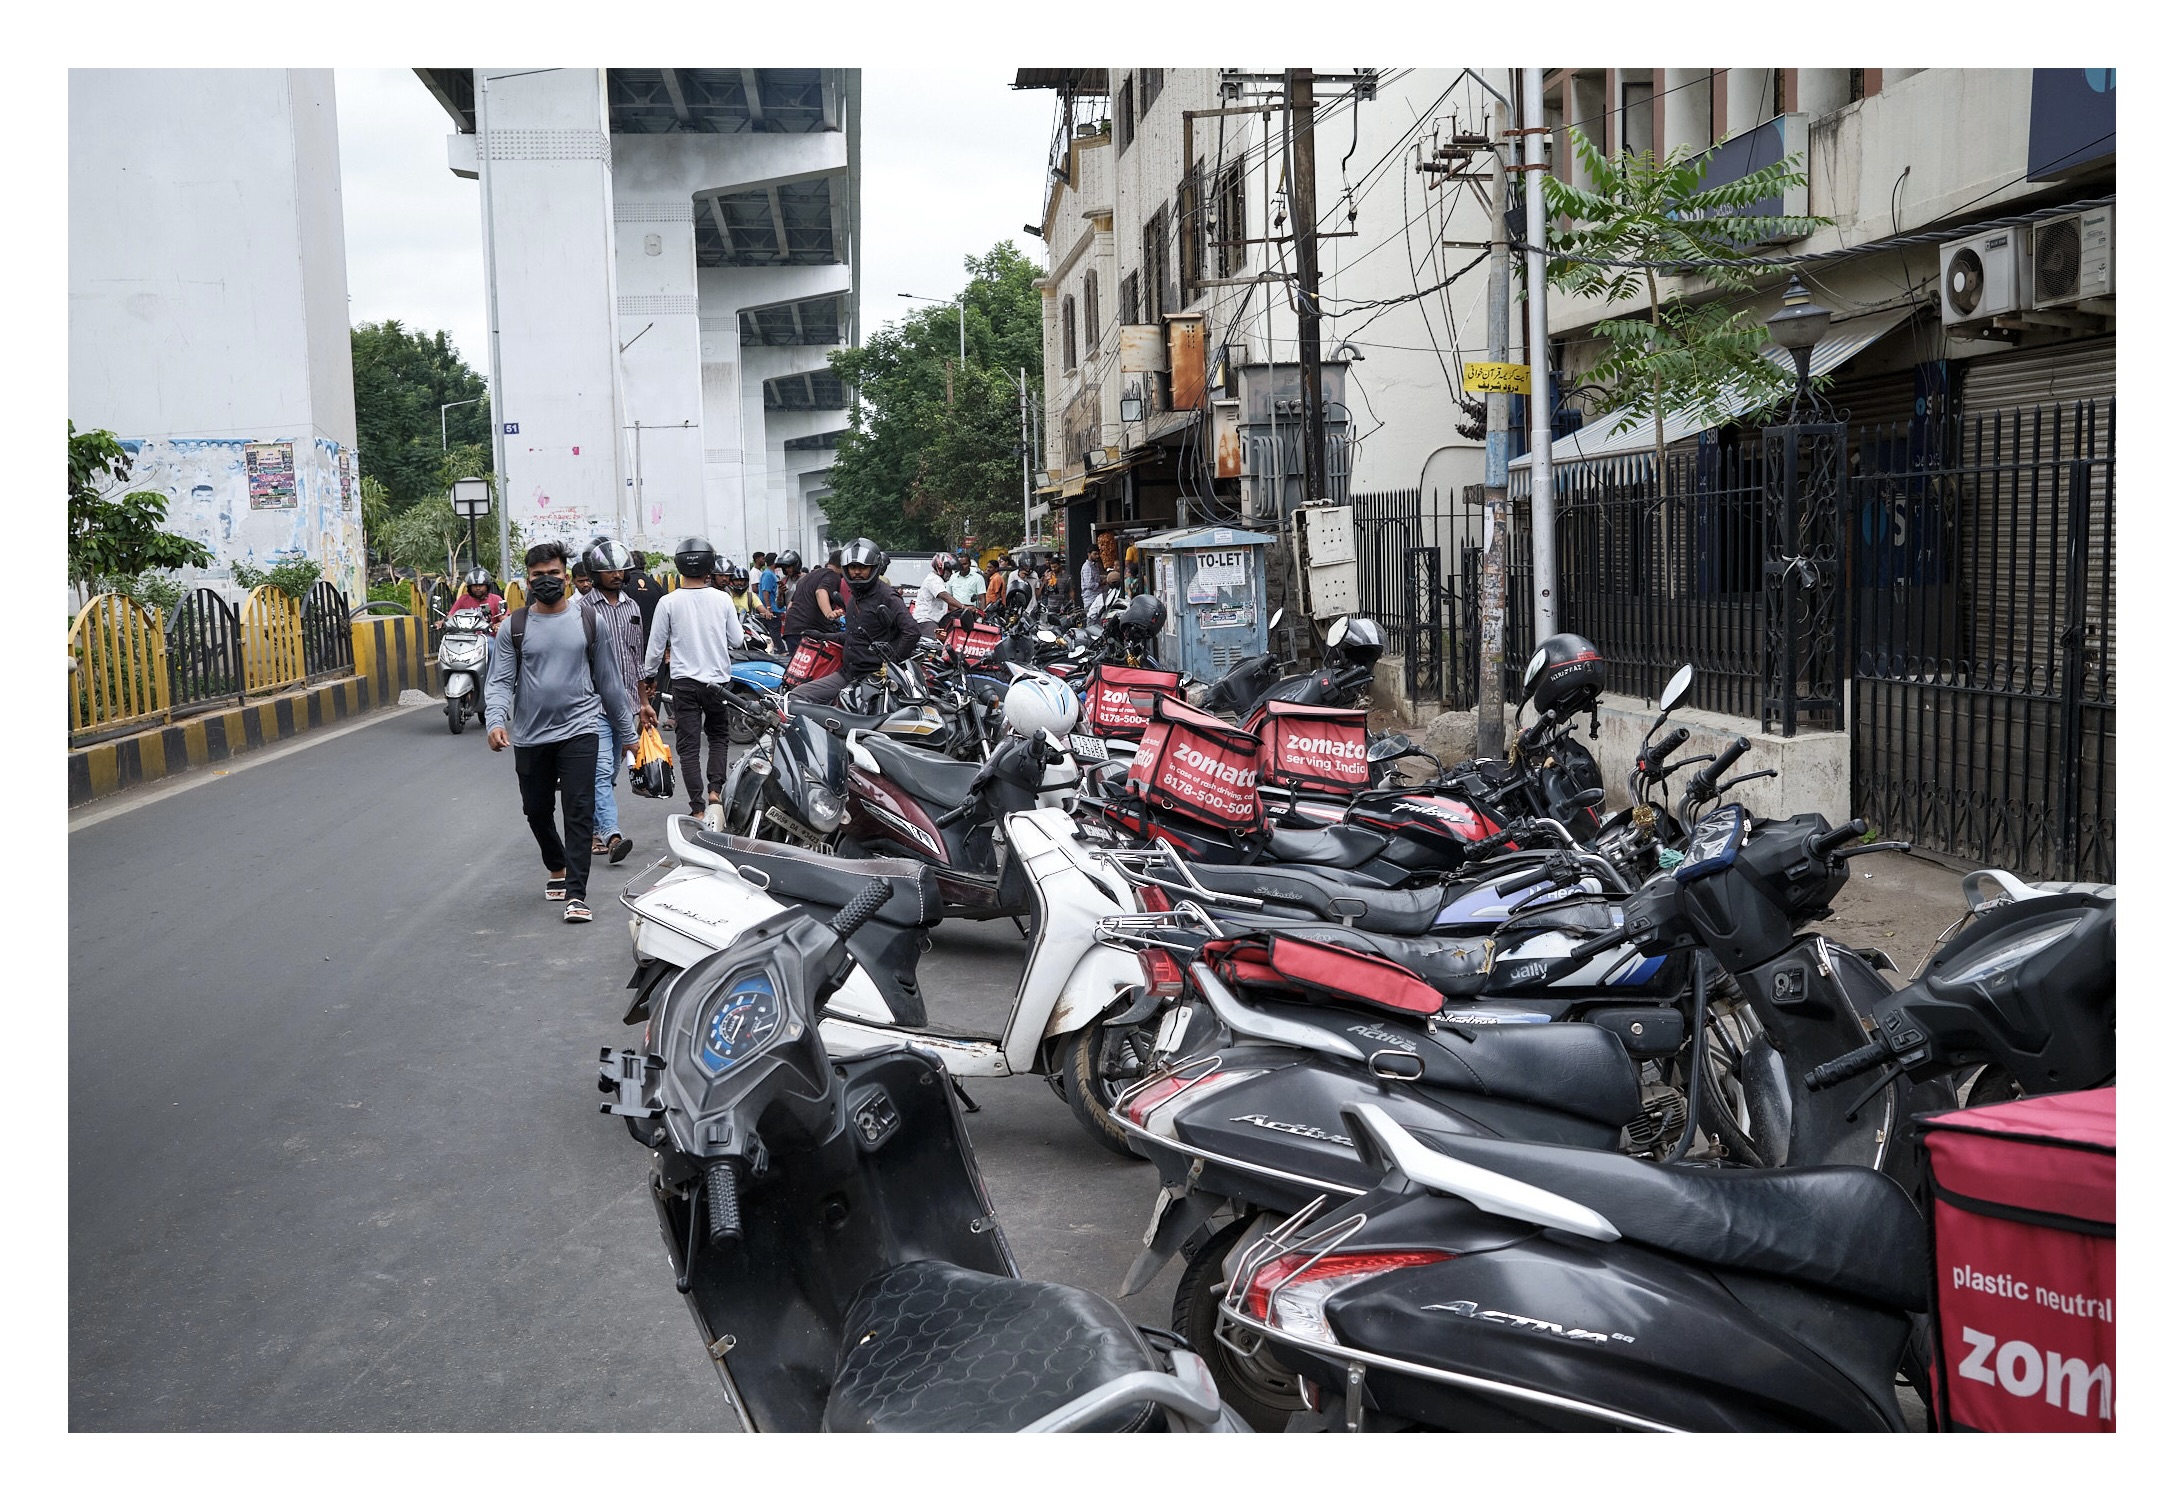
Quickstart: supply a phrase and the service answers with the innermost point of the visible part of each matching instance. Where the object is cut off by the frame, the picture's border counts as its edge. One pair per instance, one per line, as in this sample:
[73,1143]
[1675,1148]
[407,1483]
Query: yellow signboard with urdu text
[1489,377]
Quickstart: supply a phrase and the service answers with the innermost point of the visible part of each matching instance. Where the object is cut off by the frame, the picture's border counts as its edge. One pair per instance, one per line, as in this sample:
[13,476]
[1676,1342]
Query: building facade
[671,254]
[208,324]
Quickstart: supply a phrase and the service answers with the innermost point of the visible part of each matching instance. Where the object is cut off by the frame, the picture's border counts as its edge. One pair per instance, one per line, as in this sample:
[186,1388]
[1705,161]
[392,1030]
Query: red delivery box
[1197,765]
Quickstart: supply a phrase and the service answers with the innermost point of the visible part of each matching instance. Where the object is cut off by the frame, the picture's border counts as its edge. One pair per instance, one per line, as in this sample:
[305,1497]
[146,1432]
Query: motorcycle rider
[622,622]
[479,594]
[877,623]
[699,625]
[935,601]
[815,607]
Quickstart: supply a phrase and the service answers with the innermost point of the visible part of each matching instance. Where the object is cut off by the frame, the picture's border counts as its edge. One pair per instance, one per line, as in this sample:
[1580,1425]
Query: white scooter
[462,666]
[713,886]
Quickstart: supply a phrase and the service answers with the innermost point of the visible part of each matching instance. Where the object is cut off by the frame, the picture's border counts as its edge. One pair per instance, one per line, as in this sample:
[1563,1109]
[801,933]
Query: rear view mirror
[1276,619]
[1679,688]
[1337,631]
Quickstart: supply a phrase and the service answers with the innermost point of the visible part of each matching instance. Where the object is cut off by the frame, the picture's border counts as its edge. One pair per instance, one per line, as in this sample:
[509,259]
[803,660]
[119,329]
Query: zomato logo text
[1215,767]
[2024,1370]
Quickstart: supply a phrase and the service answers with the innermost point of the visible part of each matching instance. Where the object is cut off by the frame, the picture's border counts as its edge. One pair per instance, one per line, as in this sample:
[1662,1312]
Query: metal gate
[1982,641]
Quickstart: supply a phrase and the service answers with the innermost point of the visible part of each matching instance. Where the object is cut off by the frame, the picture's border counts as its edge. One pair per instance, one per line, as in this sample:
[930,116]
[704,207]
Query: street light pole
[495,389]
[1542,398]
[961,356]
[444,407]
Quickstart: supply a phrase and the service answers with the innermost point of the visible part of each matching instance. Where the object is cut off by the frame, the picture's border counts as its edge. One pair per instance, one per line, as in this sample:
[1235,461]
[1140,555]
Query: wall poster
[272,471]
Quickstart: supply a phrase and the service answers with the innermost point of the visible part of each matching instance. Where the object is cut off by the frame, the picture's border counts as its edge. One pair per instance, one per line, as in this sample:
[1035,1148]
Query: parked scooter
[1499,1284]
[463,649]
[826,1222]
[714,887]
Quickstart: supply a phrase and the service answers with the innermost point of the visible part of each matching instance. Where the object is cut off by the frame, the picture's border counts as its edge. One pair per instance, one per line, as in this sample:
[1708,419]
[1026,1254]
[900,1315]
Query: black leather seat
[796,875]
[1848,1230]
[837,719]
[930,1347]
[1407,913]
[1335,845]
[1574,1067]
[938,781]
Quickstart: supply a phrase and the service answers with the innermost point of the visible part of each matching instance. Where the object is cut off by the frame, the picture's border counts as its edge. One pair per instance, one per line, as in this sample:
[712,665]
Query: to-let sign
[1491,377]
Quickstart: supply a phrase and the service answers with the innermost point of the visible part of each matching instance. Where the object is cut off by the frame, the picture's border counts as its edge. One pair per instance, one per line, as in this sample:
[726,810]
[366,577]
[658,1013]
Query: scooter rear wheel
[1263,1391]
[1090,1081]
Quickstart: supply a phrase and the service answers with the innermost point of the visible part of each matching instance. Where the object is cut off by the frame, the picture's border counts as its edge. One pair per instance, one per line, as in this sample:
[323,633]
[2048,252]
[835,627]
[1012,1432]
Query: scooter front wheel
[455,716]
[1097,1063]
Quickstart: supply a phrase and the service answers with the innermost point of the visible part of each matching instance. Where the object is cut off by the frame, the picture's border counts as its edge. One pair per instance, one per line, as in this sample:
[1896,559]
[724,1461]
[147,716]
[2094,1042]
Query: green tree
[931,444]
[117,535]
[428,536]
[403,376]
[1645,214]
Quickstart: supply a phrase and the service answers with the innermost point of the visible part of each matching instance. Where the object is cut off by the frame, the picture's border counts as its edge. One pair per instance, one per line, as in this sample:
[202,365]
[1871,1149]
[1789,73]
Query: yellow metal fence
[272,640]
[119,660]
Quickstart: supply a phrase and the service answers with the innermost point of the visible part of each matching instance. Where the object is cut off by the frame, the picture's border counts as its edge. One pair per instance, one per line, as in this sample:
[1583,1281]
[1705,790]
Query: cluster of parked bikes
[1474,1105]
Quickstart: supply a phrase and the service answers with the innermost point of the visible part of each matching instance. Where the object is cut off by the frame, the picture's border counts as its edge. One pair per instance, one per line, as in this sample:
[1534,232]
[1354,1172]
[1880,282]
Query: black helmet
[790,559]
[864,553]
[1354,641]
[1565,675]
[477,576]
[608,556]
[738,575]
[1144,616]
[694,557]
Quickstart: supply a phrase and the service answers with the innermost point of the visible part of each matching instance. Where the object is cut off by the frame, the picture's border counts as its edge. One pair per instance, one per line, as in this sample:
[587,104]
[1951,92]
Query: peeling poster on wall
[272,470]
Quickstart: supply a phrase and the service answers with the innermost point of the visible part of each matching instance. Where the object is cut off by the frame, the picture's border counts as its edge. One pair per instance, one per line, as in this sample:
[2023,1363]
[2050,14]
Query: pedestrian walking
[876,624]
[965,583]
[622,622]
[642,587]
[1088,579]
[552,674]
[765,583]
[696,627]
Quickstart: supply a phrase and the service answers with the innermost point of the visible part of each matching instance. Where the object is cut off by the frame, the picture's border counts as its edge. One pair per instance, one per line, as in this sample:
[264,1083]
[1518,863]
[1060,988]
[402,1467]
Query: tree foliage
[402,378]
[1646,214]
[117,535]
[427,536]
[932,447]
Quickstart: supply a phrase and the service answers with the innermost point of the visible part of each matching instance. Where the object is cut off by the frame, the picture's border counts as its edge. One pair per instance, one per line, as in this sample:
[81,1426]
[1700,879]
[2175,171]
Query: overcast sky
[953,161]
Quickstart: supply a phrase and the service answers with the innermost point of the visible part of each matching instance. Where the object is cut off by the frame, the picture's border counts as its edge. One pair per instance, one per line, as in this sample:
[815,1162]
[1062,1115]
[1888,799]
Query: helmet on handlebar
[1144,616]
[1353,641]
[1565,675]
[694,557]
[1038,704]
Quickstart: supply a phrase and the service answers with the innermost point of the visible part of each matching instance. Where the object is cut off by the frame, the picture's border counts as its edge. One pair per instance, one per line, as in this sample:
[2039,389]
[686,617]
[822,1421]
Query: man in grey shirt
[544,696]
[696,626]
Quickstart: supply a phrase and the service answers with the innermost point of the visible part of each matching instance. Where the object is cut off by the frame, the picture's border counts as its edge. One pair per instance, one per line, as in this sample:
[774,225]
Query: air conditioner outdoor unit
[1985,276]
[2074,258]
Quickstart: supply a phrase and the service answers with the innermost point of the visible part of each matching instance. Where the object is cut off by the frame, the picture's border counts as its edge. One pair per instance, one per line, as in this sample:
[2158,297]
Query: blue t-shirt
[768,584]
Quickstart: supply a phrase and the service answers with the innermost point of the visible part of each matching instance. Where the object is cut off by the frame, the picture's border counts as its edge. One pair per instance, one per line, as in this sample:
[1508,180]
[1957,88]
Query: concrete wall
[1813,766]
[208,302]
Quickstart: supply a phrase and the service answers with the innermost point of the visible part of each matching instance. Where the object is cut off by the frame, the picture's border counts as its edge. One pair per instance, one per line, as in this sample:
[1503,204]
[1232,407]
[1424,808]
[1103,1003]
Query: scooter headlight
[825,809]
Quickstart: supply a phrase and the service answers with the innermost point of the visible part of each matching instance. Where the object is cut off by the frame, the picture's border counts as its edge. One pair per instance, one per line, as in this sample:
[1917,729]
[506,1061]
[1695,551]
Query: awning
[1598,439]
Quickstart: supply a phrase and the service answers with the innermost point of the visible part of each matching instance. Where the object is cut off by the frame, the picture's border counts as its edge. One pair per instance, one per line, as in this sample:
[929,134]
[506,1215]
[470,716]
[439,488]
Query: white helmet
[1038,703]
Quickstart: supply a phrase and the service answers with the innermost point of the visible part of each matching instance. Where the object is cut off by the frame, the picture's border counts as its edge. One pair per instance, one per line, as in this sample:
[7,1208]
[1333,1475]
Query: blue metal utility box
[1213,581]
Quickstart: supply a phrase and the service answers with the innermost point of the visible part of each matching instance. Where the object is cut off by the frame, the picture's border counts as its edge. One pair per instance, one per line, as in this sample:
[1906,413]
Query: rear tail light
[1296,1301]
[1154,1103]
[1153,899]
[1163,976]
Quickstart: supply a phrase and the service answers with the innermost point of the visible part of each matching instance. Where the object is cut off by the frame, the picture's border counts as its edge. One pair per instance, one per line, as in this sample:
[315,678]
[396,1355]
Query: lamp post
[1797,328]
[961,357]
[472,497]
[445,407]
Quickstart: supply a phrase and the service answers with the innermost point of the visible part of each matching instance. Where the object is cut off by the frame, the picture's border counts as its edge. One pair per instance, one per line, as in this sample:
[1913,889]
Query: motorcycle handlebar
[1656,754]
[1723,762]
[1835,838]
[1836,1070]
[862,907]
[1601,944]
[1523,878]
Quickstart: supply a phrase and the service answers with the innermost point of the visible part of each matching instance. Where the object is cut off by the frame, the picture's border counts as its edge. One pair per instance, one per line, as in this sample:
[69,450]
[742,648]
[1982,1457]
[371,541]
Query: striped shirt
[623,624]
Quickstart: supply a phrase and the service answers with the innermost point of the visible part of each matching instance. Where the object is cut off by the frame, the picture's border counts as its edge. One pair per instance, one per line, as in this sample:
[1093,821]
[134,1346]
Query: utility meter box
[1212,579]
[1330,560]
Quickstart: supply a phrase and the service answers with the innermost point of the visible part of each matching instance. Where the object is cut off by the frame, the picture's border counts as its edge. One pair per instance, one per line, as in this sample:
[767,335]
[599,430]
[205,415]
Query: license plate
[1088,747]
[1171,1030]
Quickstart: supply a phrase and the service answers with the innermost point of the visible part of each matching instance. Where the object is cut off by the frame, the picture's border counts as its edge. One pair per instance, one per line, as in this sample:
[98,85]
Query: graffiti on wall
[217,493]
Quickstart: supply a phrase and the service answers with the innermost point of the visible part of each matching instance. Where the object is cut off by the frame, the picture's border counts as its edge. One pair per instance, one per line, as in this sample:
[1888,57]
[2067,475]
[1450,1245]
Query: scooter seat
[1848,1230]
[937,781]
[1407,913]
[793,876]
[1337,846]
[931,1347]
[838,720]
[1574,1067]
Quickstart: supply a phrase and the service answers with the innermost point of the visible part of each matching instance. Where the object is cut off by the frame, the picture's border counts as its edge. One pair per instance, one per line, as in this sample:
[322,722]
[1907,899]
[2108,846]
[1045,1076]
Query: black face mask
[548,588]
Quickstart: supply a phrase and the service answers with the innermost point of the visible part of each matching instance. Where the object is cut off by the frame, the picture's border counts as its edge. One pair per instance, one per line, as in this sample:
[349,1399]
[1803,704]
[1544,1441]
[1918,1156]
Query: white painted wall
[208,294]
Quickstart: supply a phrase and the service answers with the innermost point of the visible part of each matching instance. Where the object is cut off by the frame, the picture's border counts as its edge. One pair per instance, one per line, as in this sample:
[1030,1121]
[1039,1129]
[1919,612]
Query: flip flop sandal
[598,845]
[576,912]
[557,888]
[619,846]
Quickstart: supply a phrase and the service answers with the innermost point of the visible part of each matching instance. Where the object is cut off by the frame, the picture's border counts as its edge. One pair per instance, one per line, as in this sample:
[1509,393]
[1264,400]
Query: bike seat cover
[1337,846]
[931,1347]
[937,781]
[1845,1229]
[1404,913]
[792,876]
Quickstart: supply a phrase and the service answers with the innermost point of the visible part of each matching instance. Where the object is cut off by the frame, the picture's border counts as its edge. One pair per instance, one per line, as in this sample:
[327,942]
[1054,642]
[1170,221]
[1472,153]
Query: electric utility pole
[1493,579]
[1304,217]
[1542,400]
[1023,439]
[497,407]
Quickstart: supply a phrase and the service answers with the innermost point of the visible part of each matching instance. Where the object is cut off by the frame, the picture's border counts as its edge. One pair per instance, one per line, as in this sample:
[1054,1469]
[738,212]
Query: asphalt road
[335,1157]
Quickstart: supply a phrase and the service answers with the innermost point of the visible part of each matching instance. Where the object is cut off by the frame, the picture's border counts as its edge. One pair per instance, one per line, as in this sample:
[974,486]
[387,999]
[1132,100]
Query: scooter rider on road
[877,625]
[479,594]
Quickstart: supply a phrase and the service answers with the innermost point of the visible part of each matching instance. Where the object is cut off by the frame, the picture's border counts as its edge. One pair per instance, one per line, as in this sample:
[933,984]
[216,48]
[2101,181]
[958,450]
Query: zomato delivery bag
[2024,1216]
[1199,766]
[1118,699]
[1311,748]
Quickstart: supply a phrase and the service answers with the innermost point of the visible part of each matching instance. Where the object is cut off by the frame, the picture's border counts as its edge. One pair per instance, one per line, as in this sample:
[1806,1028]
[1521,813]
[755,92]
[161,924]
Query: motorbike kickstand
[970,1106]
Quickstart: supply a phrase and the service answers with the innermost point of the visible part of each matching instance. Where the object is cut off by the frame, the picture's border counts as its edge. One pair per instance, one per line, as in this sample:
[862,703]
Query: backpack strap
[521,613]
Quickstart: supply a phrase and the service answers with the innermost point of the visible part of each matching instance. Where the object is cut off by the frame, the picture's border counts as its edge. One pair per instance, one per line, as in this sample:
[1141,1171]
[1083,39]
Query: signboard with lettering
[1497,377]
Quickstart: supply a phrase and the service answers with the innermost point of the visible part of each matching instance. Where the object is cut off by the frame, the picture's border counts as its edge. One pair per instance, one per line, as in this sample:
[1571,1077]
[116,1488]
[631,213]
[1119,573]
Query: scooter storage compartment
[815,658]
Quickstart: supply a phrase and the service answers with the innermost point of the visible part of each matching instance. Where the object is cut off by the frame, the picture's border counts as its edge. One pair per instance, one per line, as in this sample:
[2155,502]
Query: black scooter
[1499,1284]
[826,1222]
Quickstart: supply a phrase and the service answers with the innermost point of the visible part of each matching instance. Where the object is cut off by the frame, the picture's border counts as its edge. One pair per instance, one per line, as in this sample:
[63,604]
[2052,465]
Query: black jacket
[878,624]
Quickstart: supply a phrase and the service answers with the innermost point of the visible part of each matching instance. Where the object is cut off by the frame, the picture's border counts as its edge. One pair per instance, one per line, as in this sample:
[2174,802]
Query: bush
[293,576]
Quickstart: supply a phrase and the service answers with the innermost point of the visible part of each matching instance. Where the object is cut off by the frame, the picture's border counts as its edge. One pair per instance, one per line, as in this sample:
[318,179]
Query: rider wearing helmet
[876,624]
[619,619]
[744,595]
[935,601]
[479,594]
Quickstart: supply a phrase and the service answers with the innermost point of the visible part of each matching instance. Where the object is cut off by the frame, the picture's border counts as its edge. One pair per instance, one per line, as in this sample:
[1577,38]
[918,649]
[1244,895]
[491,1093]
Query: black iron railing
[327,644]
[204,650]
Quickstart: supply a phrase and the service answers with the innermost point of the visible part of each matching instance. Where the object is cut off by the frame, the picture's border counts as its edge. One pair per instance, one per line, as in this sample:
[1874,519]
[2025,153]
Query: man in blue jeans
[618,618]
[543,697]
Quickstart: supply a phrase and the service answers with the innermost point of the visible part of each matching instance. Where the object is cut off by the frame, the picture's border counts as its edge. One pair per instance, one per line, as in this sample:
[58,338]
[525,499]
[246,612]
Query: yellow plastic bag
[654,773]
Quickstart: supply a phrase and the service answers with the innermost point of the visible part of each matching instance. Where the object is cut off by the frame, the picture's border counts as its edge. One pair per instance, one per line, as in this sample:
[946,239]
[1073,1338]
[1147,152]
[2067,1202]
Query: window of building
[1129,309]
[1149,80]
[1091,314]
[1069,333]
[1638,116]
[1228,220]
[1159,282]
[1125,117]
[1190,236]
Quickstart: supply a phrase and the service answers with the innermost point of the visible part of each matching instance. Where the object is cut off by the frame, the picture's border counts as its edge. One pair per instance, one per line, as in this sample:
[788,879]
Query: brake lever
[1750,776]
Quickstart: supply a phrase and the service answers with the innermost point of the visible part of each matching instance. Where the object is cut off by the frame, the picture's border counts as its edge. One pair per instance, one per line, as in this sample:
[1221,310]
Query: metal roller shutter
[2081,370]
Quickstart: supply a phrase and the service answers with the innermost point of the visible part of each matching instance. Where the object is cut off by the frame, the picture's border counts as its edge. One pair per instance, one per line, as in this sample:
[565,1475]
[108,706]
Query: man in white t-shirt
[934,602]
